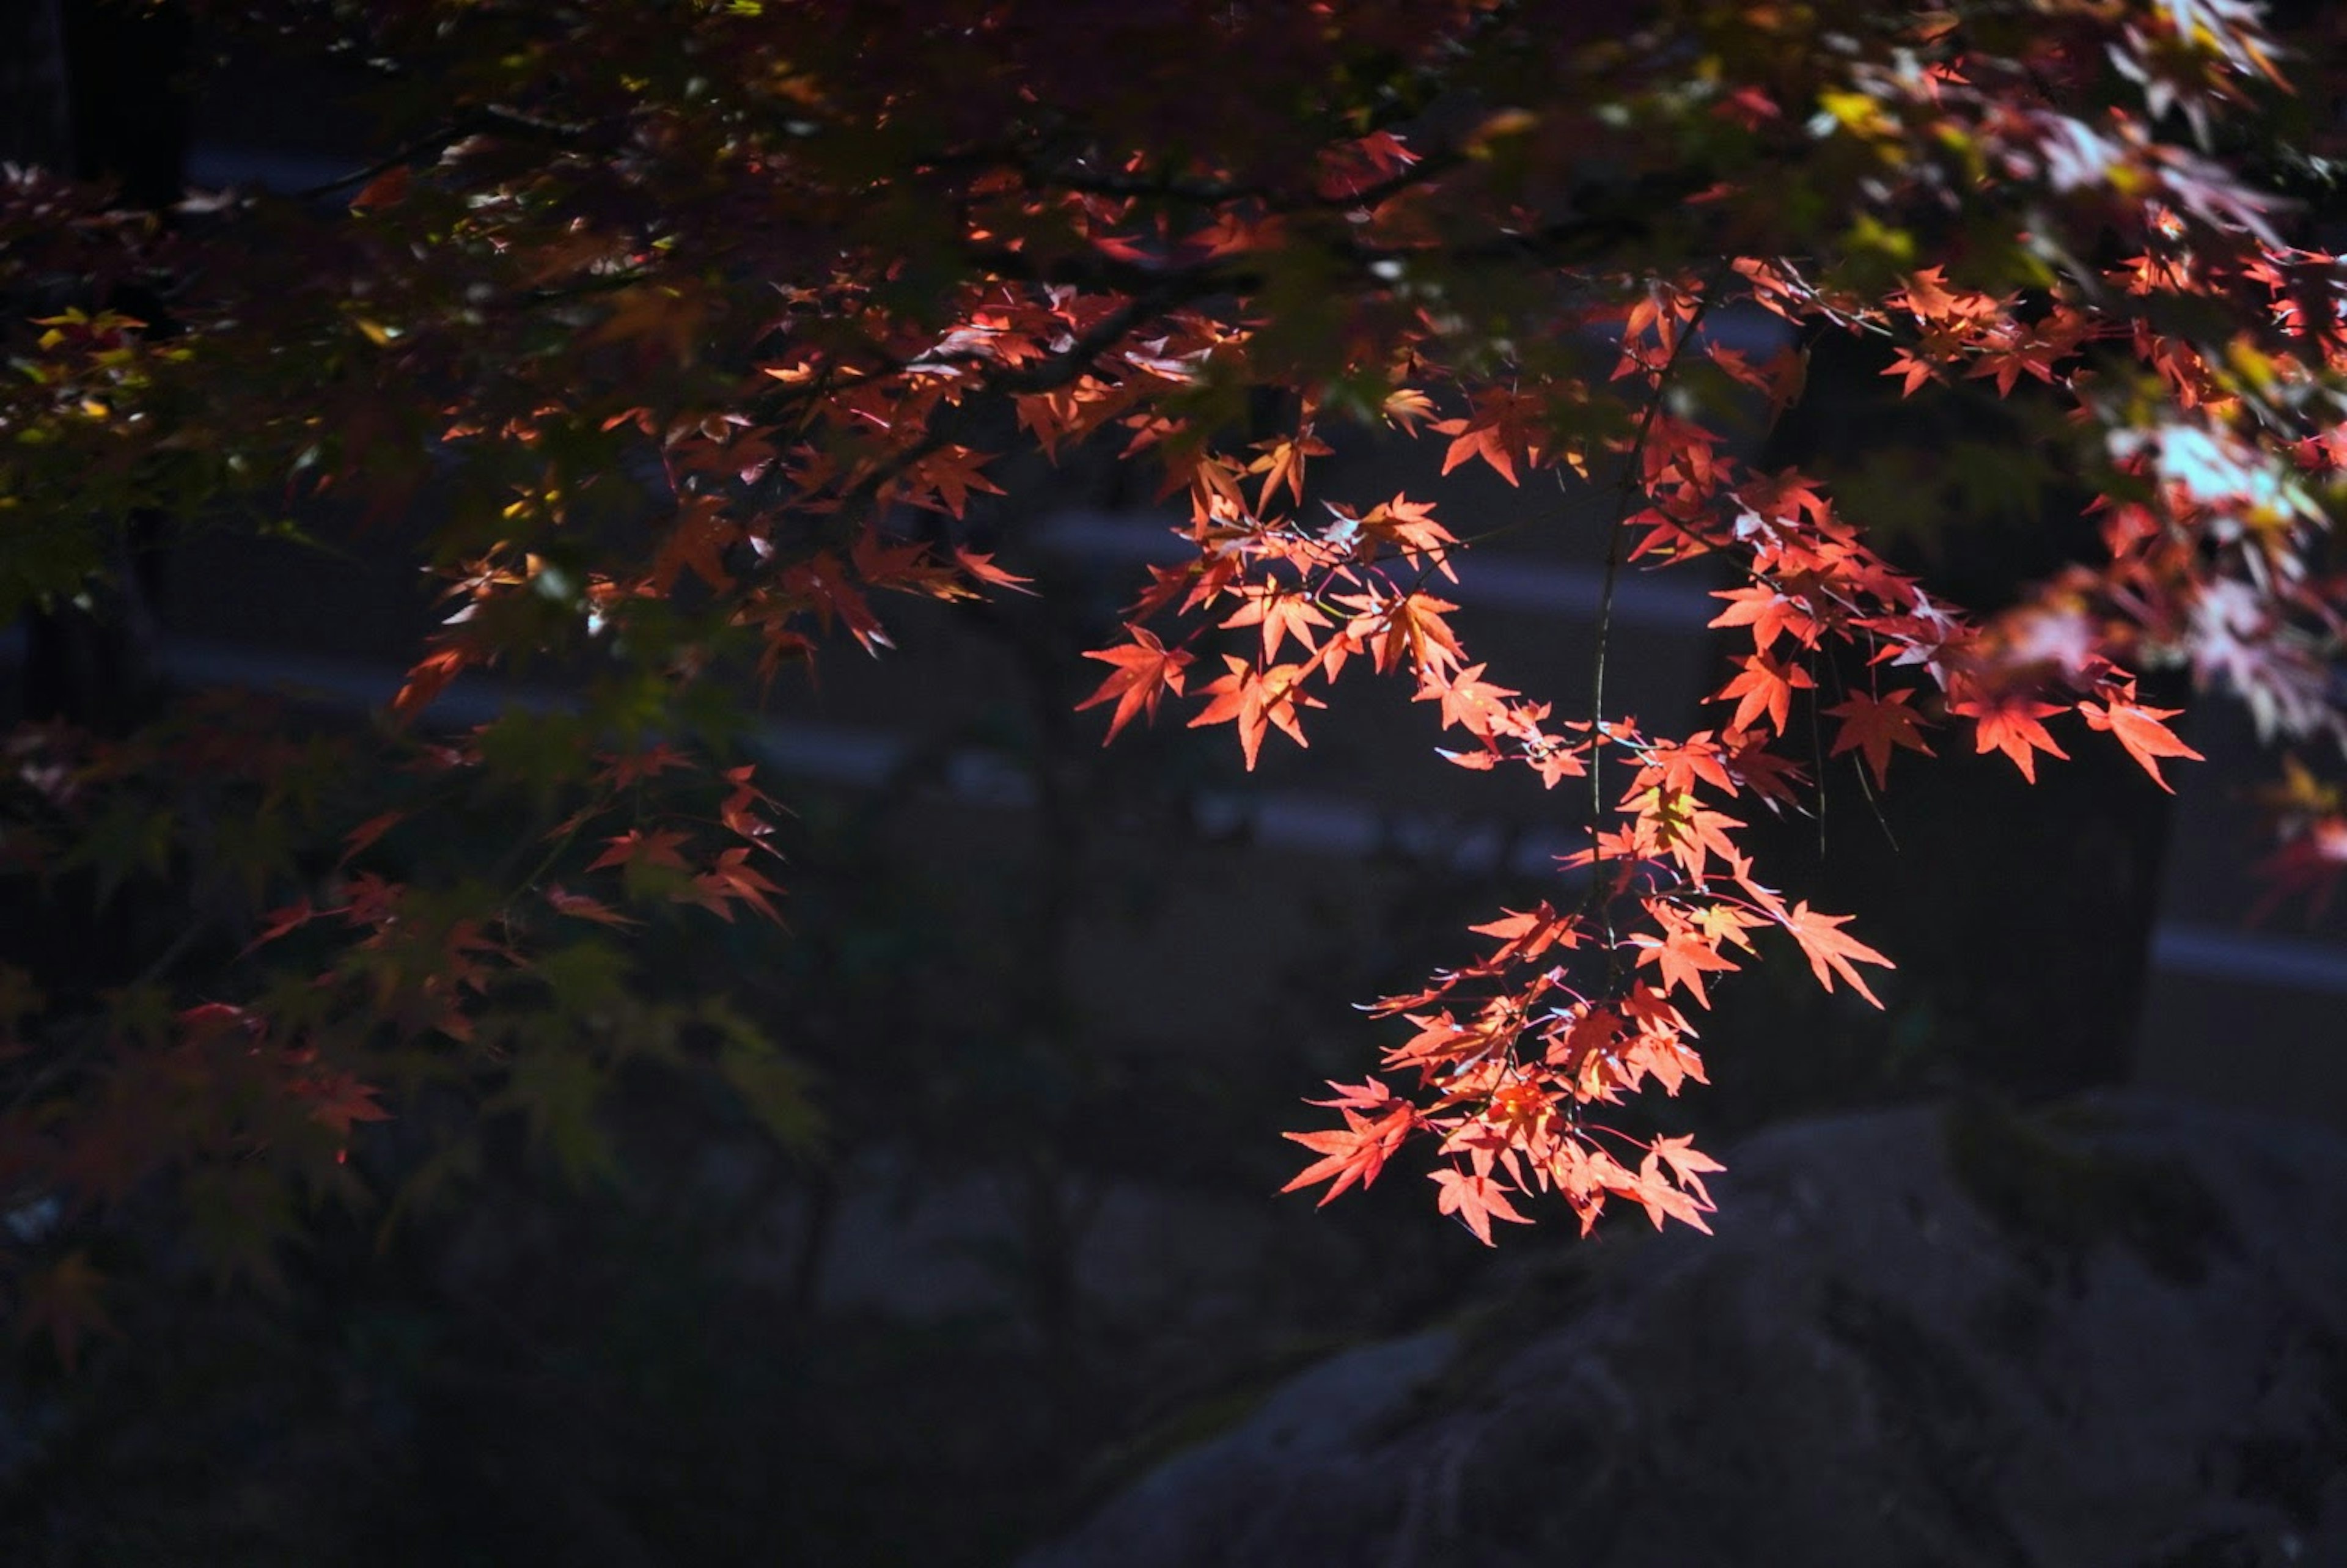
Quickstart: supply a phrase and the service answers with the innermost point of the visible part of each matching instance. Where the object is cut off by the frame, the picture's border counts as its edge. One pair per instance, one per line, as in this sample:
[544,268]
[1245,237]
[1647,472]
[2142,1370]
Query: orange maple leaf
[1669,1059]
[1763,686]
[1410,527]
[1829,952]
[1405,406]
[1525,935]
[1412,624]
[1683,953]
[1912,370]
[1674,823]
[1282,465]
[1769,612]
[1466,698]
[1256,699]
[1653,1192]
[2140,730]
[1283,613]
[1145,671]
[1688,1164]
[1476,1200]
[983,568]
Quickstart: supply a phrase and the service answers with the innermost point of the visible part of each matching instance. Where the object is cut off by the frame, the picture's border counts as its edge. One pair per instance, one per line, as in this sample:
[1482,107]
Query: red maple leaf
[1502,428]
[943,480]
[697,543]
[1875,725]
[426,679]
[278,922]
[651,848]
[367,831]
[1358,1151]
[580,906]
[729,880]
[2012,723]
[1679,766]
[343,1100]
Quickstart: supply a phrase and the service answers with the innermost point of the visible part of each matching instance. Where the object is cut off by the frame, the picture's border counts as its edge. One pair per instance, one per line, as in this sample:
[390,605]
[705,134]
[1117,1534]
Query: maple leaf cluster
[698,331]
[2210,520]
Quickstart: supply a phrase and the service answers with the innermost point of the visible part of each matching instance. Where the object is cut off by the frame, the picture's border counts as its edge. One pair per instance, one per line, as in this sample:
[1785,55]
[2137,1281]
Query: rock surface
[2114,1333]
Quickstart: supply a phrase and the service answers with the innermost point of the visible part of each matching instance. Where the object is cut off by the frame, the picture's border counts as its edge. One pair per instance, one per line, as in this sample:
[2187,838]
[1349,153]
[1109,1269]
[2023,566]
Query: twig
[1632,462]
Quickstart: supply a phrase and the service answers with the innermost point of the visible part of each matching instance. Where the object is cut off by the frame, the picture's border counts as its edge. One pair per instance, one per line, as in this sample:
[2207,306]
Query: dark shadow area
[990,1262]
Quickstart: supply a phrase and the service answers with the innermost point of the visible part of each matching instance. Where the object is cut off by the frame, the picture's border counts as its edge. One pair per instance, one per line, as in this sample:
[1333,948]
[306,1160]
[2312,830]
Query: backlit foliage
[694,328]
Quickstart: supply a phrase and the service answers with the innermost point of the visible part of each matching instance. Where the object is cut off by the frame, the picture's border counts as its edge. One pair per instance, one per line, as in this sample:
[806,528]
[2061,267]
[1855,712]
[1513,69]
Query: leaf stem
[1632,462]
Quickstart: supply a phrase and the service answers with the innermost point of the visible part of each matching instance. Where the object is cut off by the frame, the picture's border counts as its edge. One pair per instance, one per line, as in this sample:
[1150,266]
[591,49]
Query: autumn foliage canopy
[690,332]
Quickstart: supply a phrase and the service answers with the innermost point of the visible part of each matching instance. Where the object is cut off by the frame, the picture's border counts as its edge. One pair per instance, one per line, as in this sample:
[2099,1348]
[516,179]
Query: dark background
[1060,1002]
